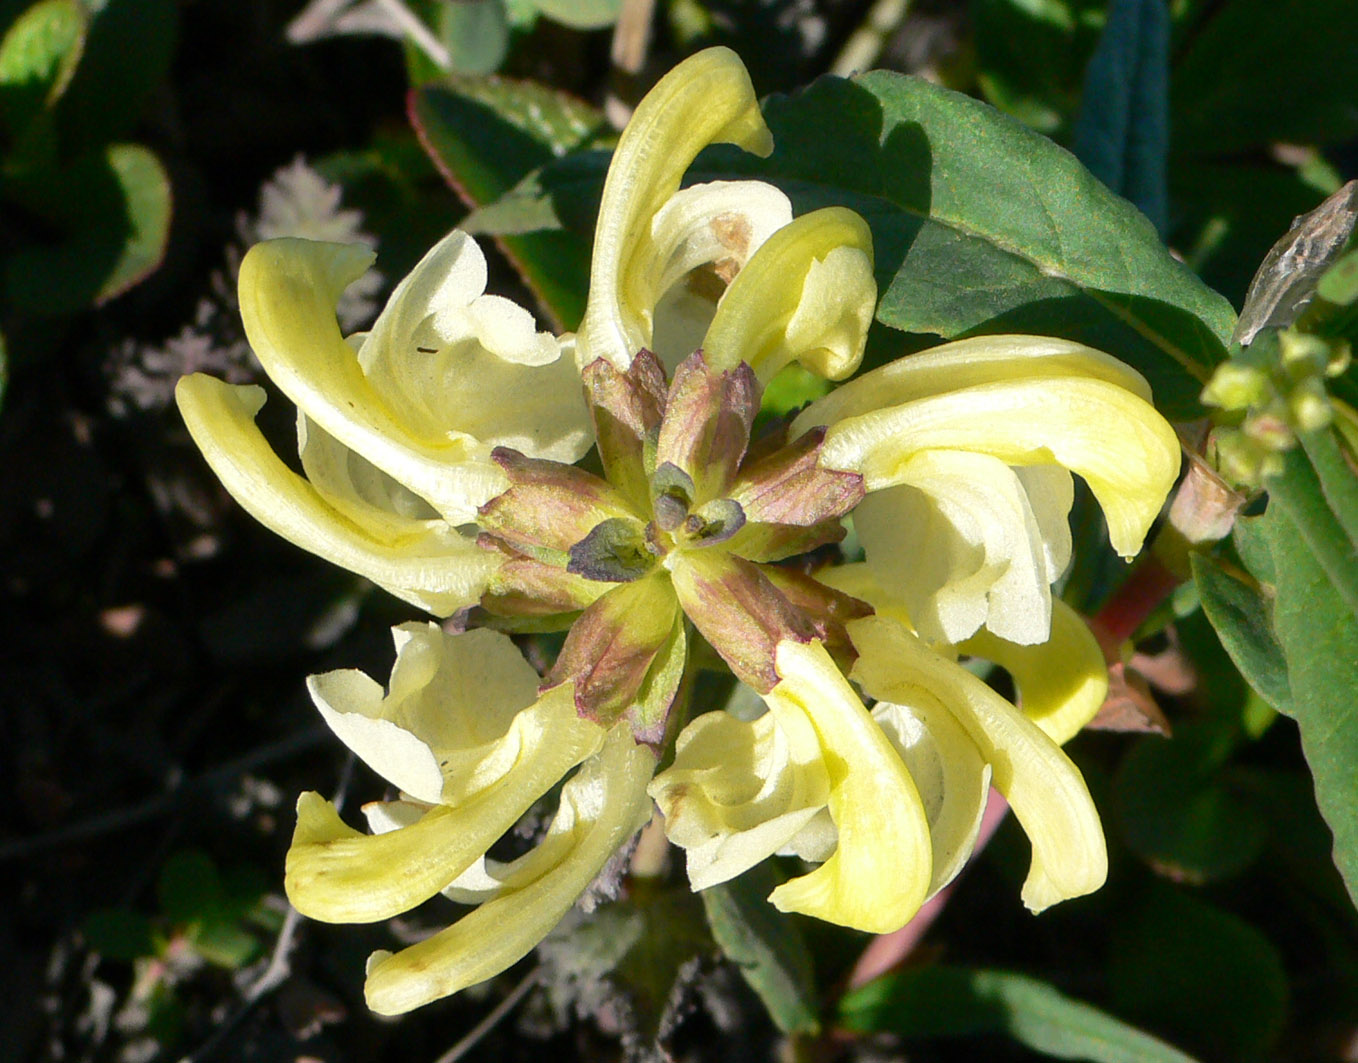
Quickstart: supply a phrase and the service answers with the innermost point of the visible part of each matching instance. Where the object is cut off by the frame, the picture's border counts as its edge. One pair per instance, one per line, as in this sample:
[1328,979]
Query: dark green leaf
[983,226]
[1178,811]
[766,945]
[1243,618]
[486,136]
[127,57]
[119,934]
[1260,71]
[957,1002]
[189,888]
[1303,541]
[1300,495]
[112,210]
[1202,975]
[1123,131]
[38,58]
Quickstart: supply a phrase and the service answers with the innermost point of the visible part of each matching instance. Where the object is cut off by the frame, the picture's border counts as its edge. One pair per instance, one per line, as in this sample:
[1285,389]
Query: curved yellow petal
[706,99]
[603,805]
[966,364]
[288,291]
[422,562]
[339,875]
[1045,789]
[1061,682]
[452,698]
[739,791]
[958,543]
[807,295]
[1115,440]
[952,778]
[880,871]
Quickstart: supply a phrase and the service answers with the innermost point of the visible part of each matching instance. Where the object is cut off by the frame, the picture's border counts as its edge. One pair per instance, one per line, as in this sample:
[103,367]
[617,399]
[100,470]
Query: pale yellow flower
[967,451]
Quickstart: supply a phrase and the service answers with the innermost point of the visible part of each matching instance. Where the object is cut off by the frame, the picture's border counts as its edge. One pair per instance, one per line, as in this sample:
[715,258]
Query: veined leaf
[1312,559]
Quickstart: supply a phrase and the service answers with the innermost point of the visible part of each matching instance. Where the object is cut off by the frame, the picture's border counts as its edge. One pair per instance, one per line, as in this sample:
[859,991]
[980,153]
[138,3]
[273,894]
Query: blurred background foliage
[154,729]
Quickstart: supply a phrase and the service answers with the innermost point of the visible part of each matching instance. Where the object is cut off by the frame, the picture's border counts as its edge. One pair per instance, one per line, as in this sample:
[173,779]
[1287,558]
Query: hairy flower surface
[440,457]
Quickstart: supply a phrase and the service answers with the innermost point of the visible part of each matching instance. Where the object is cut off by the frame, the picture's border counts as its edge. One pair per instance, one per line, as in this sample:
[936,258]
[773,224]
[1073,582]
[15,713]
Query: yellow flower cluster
[439,454]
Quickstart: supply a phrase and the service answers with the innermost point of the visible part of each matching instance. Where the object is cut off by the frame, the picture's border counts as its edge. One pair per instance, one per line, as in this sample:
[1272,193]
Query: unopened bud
[1236,387]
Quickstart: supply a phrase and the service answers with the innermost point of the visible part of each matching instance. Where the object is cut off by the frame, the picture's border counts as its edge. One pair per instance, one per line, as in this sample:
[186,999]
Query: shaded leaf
[475,33]
[119,934]
[960,1002]
[127,57]
[1243,618]
[1178,810]
[1122,134]
[580,14]
[1259,71]
[766,945]
[112,210]
[1031,55]
[486,136]
[1201,974]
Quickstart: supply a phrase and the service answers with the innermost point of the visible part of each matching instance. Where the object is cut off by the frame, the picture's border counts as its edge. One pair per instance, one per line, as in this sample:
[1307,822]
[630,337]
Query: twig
[865,44]
[120,819]
[631,38]
[497,1014]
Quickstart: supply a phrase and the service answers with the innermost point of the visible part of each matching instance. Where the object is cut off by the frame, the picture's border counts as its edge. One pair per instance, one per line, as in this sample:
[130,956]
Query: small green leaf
[38,57]
[1178,810]
[488,135]
[119,934]
[112,211]
[475,33]
[1243,618]
[189,888]
[1203,975]
[224,943]
[1123,131]
[959,1002]
[767,946]
[581,14]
